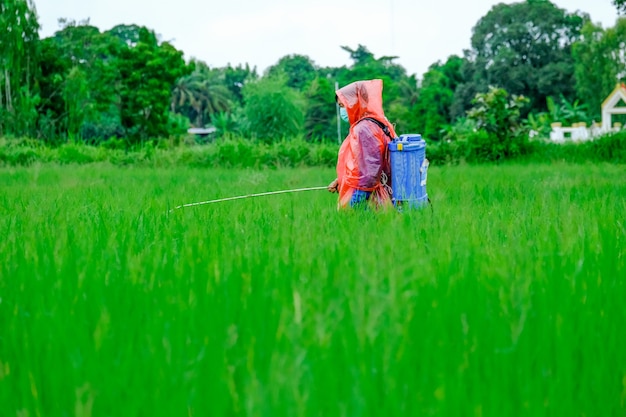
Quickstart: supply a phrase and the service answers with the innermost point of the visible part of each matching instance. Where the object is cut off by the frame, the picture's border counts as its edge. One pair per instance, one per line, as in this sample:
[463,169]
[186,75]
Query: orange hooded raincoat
[363,155]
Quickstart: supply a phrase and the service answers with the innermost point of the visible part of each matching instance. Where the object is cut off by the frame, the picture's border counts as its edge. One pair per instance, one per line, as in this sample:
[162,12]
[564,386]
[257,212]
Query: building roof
[201,130]
[619,93]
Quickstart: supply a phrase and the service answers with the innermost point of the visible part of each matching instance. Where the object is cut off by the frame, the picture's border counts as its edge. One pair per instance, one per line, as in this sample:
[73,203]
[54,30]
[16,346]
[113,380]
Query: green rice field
[508,298]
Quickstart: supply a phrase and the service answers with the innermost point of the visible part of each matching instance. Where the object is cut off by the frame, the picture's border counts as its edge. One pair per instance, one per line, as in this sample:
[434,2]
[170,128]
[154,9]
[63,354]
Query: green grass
[506,300]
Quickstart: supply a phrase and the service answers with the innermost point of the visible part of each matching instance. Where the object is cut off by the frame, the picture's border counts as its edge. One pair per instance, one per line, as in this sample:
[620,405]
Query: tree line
[538,62]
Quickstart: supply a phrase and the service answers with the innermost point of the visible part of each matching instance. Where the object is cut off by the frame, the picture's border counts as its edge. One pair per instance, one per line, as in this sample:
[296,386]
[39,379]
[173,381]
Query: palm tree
[200,94]
[185,99]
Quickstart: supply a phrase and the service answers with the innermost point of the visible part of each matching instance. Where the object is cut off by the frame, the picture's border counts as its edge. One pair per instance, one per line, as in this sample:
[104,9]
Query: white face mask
[343,113]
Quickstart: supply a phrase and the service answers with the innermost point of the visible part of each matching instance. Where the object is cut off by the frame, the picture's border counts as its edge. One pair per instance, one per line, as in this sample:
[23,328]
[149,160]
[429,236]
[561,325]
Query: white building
[580,132]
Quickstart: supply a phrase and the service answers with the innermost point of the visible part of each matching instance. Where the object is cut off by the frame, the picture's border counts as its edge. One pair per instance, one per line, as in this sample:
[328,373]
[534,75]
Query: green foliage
[600,63]
[401,109]
[568,113]
[229,123]
[500,134]
[178,126]
[496,113]
[236,77]
[453,147]
[230,152]
[445,152]
[273,110]
[148,71]
[299,71]
[321,116]
[125,83]
[18,62]
[366,67]
[461,144]
[607,148]
[19,152]
[483,146]
[76,97]
[201,94]
[525,48]
[436,97]
[78,80]
[565,113]
[102,126]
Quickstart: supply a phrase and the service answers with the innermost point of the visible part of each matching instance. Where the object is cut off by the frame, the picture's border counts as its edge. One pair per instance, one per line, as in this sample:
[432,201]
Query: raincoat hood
[362,99]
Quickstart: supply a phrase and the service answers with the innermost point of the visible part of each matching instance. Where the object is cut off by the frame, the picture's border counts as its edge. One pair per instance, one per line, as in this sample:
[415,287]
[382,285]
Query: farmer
[363,163]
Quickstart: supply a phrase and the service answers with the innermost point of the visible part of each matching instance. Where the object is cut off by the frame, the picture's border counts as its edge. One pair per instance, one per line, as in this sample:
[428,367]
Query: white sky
[260,32]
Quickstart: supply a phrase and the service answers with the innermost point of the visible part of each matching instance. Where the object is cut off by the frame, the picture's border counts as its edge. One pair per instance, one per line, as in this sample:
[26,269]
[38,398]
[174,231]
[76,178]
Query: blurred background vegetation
[530,64]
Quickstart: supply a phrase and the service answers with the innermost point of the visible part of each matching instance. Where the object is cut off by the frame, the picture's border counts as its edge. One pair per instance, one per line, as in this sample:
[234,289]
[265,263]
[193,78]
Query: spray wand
[295,190]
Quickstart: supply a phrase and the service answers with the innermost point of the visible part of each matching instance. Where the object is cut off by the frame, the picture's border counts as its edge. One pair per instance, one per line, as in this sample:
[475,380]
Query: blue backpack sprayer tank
[409,170]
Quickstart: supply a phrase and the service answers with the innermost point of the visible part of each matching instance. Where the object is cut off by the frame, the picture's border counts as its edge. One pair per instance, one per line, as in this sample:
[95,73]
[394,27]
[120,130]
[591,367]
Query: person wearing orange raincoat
[363,173]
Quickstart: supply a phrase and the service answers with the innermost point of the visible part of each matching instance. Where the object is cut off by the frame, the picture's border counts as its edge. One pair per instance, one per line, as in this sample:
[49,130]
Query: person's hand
[333,187]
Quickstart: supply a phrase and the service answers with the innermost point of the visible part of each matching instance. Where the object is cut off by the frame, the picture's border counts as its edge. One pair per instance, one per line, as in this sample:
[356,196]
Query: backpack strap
[380,124]
[386,158]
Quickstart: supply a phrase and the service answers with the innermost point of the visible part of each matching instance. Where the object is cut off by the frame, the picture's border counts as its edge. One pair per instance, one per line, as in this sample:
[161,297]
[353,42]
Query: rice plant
[505,299]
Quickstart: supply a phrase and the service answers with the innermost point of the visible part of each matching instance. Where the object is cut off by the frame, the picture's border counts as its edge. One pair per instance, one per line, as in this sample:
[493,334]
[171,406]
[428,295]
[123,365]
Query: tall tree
[600,63]
[436,97]
[321,115]
[299,70]
[236,77]
[401,111]
[201,94]
[273,110]
[18,62]
[148,71]
[525,48]
[367,66]
[77,56]
[77,101]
